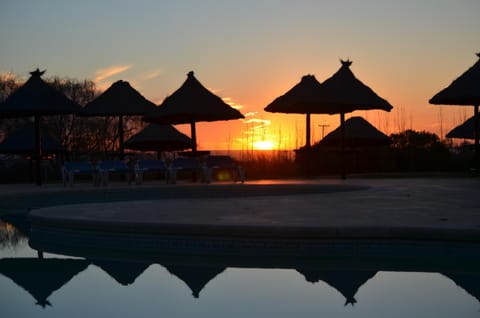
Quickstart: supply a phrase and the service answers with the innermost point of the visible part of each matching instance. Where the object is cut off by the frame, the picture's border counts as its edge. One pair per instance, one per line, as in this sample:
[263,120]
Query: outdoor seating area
[148,166]
[71,169]
[225,168]
[106,168]
[221,168]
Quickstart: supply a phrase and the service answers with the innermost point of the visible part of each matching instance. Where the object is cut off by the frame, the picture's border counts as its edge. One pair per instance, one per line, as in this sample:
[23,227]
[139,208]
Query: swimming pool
[339,278]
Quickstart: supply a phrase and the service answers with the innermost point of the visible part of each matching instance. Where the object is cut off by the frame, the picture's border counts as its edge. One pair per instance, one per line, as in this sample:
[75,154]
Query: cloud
[232,104]
[257,124]
[104,73]
[152,74]
[265,122]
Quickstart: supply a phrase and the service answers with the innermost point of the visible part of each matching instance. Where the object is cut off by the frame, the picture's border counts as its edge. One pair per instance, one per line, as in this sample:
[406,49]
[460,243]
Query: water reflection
[468,282]
[346,282]
[196,277]
[125,273]
[346,267]
[13,230]
[41,277]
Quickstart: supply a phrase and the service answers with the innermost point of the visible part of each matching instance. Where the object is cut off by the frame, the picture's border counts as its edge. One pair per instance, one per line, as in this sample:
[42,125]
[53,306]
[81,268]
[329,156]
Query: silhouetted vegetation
[409,151]
[419,151]
[80,135]
[268,165]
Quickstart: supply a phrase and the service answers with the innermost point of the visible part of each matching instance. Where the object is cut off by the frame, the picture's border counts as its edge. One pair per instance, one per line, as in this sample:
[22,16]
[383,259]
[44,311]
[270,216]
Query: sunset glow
[264,145]
[252,57]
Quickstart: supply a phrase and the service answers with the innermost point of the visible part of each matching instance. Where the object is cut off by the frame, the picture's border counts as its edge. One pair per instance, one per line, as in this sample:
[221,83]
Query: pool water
[36,284]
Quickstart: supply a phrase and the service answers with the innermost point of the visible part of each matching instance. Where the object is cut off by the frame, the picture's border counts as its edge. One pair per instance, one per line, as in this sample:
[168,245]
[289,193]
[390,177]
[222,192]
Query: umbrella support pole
[308,127]
[194,137]
[120,136]
[342,146]
[476,132]
[38,152]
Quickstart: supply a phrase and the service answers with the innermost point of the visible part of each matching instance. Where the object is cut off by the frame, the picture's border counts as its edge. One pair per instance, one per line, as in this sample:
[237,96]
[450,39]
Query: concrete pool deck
[413,208]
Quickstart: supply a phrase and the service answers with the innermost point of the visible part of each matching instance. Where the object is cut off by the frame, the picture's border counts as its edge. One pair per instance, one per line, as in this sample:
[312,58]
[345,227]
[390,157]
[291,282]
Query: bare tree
[77,134]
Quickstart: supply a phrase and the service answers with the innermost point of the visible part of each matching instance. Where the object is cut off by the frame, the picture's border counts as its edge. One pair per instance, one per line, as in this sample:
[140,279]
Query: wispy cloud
[152,74]
[265,122]
[254,125]
[249,114]
[104,73]
[232,104]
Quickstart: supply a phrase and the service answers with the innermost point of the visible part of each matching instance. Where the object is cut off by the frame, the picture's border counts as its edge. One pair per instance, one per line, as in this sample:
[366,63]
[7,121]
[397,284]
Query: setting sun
[264,145]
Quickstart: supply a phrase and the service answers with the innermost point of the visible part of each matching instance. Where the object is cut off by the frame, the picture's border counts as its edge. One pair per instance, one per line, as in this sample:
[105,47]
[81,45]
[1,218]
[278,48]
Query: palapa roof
[22,141]
[465,90]
[344,93]
[346,282]
[465,130]
[341,93]
[125,273]
[120,99]
[37,98]
[192,102]
[159,138]
[196,277]
[41,277]
[300,99]
[358,132]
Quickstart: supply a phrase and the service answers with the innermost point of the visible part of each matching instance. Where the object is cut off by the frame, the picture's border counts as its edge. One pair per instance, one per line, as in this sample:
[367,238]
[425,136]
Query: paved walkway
[439,209]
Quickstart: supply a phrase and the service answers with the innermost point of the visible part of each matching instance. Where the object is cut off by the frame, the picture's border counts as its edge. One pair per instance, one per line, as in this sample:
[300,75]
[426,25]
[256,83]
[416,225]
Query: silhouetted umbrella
[41,277]
[343,93]
[159,138]
[346,282]
[120,99]
[196,277]
[358,133]
[124,273]
[464,131]
[192,103]
[300,99]
[465,90]
[22,141]
[36,98]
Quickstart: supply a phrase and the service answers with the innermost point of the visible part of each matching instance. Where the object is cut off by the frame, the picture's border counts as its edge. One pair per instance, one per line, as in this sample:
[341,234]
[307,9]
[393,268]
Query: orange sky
[287,131]
[250,52]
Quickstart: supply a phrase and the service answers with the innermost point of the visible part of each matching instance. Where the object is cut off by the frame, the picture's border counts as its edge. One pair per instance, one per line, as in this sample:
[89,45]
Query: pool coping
[399,209]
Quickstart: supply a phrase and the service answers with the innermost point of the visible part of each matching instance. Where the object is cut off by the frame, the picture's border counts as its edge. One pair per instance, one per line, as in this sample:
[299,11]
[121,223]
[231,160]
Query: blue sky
[250,52]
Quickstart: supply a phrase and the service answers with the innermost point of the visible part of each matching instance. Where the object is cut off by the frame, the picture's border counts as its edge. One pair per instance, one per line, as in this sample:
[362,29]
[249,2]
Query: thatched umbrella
[41,277]
[465,90]
[346,282]
[22,141]
[125,273]
[120,99]
[159,138]
[35,99]
[343,93]
[300,99]
[358,133]
[196,277]
[464,131]
[192,103]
